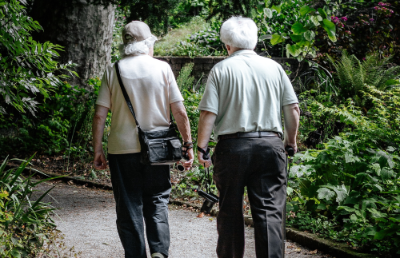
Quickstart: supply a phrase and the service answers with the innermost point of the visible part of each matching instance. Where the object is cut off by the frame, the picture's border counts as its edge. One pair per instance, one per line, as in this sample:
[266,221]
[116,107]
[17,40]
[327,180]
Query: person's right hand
[188,163]
[291,144]
[205,162]
[100,160]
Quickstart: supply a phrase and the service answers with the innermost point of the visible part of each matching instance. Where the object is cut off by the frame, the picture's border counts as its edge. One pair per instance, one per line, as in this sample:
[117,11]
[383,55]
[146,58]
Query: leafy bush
[61,122]
[352,74]
[356,187]
[26,224]
[202,43]
[195,38]
[296,23]
[192,94]
[27,66]
[353,103]
[363,28]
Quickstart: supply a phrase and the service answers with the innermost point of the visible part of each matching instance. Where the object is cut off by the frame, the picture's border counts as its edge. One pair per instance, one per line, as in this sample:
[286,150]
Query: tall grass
[165,45]
[26,225]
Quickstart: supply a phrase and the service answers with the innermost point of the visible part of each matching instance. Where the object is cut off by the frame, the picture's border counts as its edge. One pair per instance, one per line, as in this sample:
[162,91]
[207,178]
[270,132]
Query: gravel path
[87,219]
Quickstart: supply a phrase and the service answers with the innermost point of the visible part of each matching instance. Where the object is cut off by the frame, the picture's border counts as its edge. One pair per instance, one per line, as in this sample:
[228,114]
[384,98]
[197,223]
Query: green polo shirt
[247,93]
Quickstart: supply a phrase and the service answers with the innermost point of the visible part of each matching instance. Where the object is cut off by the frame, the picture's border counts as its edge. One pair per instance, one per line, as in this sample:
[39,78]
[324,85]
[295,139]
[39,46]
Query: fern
[352,74]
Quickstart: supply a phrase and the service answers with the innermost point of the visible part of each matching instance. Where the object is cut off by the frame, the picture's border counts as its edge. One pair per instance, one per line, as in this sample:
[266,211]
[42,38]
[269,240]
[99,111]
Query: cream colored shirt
[247,93]
[151,87]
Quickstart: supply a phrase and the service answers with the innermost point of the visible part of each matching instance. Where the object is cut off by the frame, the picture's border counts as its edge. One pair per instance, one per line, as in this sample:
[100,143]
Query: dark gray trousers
[259,164]
[141,192]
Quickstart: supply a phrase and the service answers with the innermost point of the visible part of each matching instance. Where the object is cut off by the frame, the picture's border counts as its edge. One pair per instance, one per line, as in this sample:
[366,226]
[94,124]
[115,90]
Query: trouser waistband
[249,135]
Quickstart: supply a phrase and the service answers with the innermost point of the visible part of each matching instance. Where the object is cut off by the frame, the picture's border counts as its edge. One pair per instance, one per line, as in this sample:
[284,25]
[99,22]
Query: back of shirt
[247,93]
[151,87]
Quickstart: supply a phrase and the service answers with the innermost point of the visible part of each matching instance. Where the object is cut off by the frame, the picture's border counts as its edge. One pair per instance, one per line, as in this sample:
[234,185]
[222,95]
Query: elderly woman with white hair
[141,191]
[243,100]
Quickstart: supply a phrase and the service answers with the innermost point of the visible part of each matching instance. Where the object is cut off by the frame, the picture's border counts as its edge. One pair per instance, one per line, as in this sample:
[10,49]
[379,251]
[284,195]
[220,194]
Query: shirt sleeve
[104,98]
[288,94]
[210,100]
[174,92]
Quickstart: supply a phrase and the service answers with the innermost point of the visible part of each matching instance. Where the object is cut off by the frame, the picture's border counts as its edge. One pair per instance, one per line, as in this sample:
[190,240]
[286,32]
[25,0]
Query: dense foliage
[295,23]
[344,185]
[62,124]
[26,224]
[348,190]
[28,67]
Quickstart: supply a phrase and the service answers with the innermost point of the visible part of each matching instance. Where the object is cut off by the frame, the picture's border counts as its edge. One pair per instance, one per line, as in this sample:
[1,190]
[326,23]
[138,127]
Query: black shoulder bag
[161,147]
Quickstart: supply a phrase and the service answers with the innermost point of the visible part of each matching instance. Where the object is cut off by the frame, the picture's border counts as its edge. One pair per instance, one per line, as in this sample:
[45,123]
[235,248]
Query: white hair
[239,32]
[134,48]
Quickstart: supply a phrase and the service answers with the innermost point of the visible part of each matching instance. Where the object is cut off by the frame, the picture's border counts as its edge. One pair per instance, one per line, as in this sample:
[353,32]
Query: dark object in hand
[185,156]
[210,200]
[205,152]
[290,151]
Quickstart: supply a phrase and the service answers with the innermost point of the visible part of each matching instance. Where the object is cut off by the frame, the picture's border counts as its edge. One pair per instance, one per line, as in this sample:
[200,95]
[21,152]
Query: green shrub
[351,75]
[294,24]
[355,185]
[28,67]
[61,122]
[192,94]
[351,183]
[26,224]
[167,44]
[360,93]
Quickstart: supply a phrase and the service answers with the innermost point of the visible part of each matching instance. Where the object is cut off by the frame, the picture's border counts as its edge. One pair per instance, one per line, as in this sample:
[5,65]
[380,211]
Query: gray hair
[133,48]
[239,32]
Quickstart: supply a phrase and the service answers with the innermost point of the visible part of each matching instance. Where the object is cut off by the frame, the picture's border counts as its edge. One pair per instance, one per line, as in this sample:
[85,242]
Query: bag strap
[128,101]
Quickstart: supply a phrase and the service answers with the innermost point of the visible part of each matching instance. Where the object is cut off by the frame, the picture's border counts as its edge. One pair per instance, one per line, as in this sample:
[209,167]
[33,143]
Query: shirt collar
[243,52]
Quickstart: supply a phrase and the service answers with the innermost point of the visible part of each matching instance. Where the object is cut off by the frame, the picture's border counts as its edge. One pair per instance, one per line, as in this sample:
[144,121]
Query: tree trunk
[85,31]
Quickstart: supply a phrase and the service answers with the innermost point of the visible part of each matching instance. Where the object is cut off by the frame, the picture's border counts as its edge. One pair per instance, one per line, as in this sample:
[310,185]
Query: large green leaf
[293,50]
[384,233]
[330,28]
[387,173]
[277,8]
[325,193]
[376,214]
[268,12]
[309,35]
[314,20]
[305,10]
[296,38]
[276,39]
[298,28]
[323,13]
[371,231]
[346,208]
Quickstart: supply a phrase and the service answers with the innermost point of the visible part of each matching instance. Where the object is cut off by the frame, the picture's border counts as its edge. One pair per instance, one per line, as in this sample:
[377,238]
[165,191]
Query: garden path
[87,219]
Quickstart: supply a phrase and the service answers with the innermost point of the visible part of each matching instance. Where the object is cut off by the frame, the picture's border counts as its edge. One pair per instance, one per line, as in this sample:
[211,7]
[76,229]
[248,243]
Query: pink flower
[348,32]
[344,18]
[364,58]
[372,19]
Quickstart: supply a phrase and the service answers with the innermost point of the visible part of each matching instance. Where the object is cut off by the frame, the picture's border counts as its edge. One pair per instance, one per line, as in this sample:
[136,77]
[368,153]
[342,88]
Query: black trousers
[259,164]
[141,192]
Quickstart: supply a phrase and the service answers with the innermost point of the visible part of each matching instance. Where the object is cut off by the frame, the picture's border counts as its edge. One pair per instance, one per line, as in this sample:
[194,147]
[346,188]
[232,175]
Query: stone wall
[203,65]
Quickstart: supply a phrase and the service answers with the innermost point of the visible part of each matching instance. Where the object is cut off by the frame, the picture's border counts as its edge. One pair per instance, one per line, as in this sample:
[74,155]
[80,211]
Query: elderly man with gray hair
[141,191]
[243,100]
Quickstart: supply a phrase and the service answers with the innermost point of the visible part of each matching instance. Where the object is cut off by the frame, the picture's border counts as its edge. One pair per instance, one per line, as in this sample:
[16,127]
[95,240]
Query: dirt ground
[87,219]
